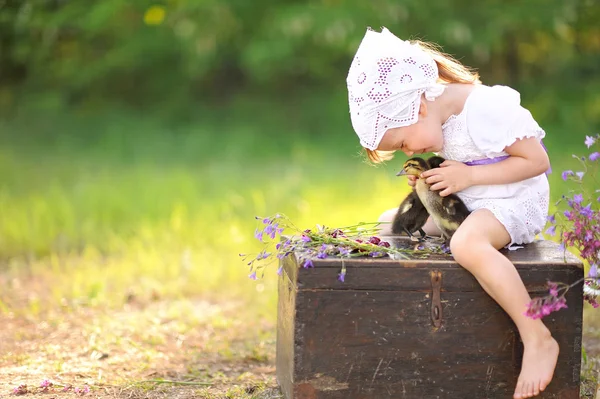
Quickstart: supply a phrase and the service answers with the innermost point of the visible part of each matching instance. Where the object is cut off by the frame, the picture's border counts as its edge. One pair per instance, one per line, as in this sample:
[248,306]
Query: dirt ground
[166,349]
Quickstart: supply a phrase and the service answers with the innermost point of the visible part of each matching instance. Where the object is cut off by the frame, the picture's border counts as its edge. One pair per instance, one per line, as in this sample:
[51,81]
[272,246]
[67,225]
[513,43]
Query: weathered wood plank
[401,278]
[286,318]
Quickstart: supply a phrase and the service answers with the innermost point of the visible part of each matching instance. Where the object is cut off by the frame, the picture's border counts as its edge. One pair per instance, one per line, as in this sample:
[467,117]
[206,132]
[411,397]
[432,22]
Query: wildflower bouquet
[319,243]
[577,222]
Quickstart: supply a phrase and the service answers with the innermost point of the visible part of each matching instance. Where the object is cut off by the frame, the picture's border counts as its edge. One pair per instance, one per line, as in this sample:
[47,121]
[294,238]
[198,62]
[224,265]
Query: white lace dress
[492,119]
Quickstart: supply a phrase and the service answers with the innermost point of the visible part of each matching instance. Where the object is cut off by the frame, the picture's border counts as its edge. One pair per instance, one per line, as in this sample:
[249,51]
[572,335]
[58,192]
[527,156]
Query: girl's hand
[412,180]
[450,177]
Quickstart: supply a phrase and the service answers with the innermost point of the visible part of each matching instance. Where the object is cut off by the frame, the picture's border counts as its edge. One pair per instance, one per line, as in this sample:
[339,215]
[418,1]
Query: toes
[532,389]
[536,388]
[527,390]
[518,390]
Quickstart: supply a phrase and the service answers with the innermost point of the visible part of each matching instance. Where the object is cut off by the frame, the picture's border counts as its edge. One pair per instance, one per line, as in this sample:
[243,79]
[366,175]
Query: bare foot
[539,361]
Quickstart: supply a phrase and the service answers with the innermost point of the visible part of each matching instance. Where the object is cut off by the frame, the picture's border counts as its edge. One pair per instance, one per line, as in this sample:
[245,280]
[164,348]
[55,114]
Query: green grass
[99,211]
[126,204]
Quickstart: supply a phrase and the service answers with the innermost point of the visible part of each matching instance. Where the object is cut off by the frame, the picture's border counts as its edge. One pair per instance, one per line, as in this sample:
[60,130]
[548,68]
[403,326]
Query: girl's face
[421,137]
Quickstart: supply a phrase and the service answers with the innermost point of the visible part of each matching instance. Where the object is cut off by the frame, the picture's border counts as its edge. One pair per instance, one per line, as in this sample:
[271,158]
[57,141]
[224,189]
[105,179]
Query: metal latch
[436,301]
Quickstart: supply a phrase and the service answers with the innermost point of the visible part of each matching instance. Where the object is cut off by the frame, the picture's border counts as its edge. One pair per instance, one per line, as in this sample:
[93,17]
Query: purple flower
[308,263]
[580,175]
[553,289]
[252,276]
[82,391]
[342,276]
[321,255]
[591,292]
[263,255]
[562,246]
[269,228]
[280,270]
[283,245]
[593,273]
[589,141]
[306,238]
[567,214]
[20,390]
[551,231]
[376,254]
[594,156]
[587,211]
[578,198]
[258,234]
[543,306]
[45,384]
[552,219]
[344,251]
[566,174]
[272,229]
[589,235]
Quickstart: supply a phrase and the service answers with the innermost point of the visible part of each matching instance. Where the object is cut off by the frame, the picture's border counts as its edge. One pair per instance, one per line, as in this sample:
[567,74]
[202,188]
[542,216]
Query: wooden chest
[416,329]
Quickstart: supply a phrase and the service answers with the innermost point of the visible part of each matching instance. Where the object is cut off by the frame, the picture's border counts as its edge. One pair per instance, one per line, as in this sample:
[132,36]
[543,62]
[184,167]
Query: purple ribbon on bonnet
[487,161]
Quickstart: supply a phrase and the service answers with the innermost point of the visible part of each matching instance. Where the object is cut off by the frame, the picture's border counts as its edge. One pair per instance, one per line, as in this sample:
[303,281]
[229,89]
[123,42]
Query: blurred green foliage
[175,55]
[140,138]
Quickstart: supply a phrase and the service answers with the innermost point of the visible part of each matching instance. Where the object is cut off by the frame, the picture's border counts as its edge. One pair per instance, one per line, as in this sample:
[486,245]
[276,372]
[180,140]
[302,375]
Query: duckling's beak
[401,173]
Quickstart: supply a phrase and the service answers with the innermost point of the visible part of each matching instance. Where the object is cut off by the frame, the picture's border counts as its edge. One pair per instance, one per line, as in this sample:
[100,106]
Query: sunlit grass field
[100,213]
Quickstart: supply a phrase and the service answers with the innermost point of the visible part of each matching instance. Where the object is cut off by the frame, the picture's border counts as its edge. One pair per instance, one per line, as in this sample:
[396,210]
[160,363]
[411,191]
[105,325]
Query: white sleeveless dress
[492,119]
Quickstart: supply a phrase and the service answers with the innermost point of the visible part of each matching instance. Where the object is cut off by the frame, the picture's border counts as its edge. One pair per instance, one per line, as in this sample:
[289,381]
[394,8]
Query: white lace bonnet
[385,83]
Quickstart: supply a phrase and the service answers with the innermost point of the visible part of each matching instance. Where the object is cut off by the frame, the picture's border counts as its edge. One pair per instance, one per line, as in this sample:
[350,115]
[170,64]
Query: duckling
[447,212]
[411,217]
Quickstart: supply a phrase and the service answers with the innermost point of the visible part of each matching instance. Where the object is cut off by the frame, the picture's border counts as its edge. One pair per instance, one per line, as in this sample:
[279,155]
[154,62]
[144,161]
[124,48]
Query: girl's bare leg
[475,247]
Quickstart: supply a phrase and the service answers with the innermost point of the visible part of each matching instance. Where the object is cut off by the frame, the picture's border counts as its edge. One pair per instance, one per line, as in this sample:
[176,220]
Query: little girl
[407,96]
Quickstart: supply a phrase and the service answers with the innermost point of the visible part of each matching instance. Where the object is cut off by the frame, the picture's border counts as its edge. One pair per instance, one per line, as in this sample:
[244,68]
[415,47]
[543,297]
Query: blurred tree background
[181,58]
[176,120]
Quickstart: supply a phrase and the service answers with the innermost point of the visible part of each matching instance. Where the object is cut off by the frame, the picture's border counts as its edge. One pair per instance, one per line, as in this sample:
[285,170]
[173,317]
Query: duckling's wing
[455,207]
[449,205]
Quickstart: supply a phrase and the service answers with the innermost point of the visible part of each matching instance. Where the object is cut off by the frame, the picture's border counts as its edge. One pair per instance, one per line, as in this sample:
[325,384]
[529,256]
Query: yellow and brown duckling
[446,212]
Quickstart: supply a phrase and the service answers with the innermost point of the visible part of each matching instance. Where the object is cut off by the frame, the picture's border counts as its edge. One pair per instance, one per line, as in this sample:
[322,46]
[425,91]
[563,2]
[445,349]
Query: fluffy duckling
[411,217]
[447,212]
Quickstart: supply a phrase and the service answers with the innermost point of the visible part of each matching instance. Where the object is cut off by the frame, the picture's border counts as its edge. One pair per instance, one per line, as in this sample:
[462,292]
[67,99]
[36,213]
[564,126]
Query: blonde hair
[450,70]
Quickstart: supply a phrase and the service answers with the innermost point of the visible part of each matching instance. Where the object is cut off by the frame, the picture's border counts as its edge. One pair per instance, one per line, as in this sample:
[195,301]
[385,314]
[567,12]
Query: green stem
[363,246]
[567,287]
[176,382]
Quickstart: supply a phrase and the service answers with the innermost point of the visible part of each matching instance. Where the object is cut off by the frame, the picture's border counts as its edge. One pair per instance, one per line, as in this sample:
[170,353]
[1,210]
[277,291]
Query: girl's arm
[527,159]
